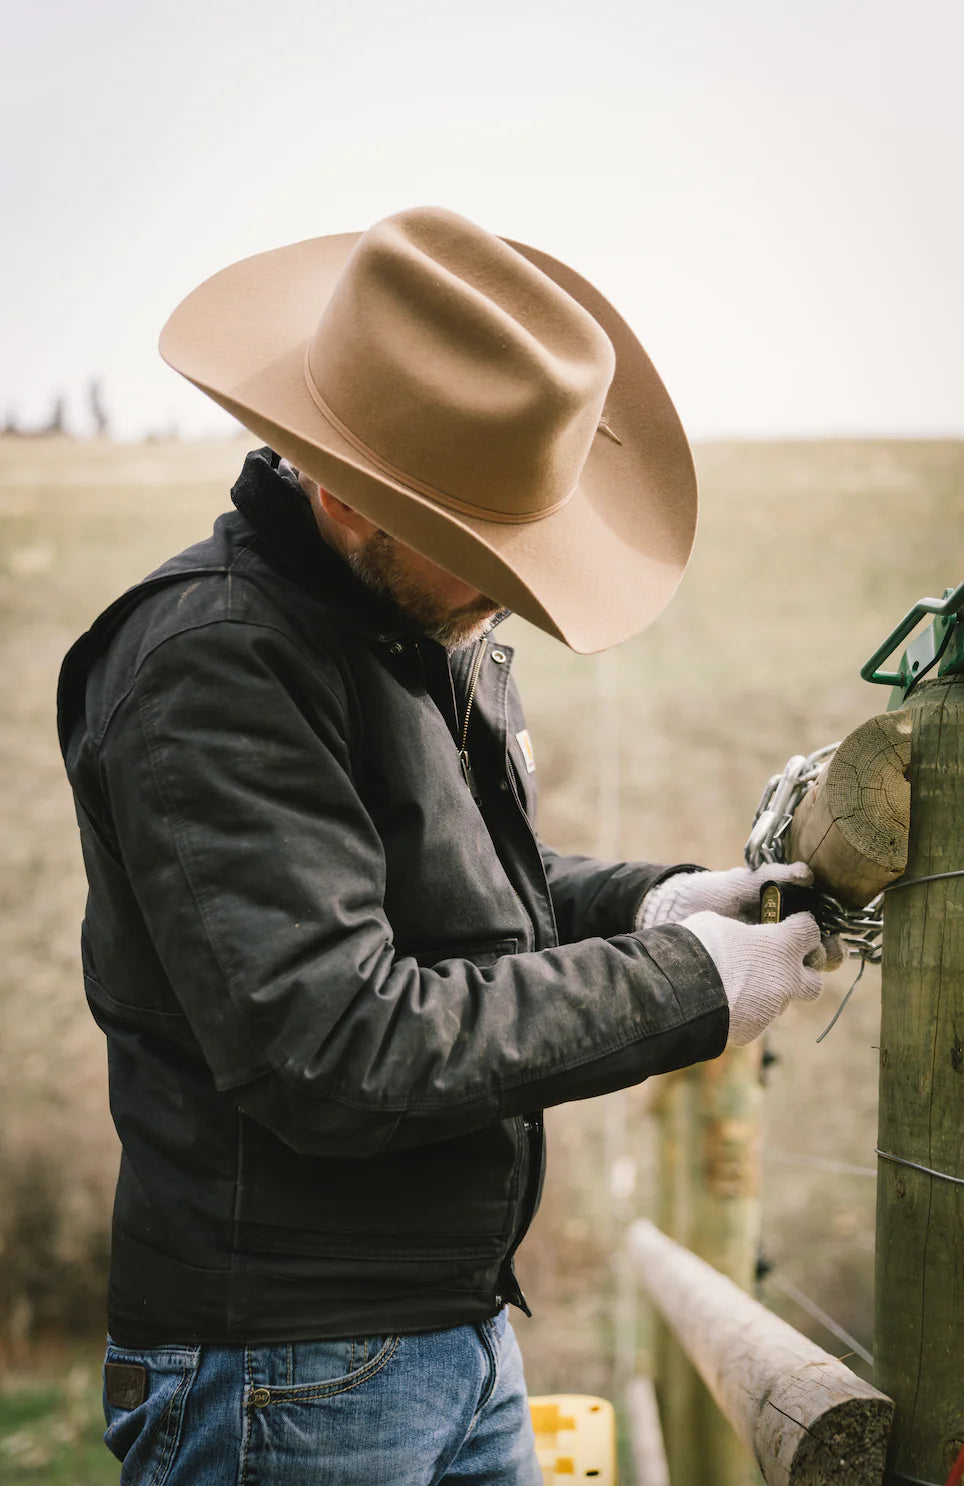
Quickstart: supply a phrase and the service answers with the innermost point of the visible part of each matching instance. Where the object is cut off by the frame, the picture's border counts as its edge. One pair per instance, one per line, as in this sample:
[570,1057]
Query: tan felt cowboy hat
[473,397]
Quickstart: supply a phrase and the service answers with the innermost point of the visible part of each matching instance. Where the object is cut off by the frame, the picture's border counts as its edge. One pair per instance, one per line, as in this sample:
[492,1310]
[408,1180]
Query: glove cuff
[666,902]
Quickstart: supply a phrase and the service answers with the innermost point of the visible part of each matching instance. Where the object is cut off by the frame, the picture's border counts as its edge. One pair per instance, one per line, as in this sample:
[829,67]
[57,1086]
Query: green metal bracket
[942,643]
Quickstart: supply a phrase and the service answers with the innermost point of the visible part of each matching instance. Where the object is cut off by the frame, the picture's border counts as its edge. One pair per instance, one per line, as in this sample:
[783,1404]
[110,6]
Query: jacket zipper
[531,1124]
[468,775]
[511,1289]
[535,842]
[464,760]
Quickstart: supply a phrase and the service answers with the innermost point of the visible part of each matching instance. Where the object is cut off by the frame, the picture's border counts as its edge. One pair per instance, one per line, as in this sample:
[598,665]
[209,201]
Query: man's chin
[459,631]
[380,568]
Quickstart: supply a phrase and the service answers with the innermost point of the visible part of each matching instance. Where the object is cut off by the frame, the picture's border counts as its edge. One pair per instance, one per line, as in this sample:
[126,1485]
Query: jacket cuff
[691,971]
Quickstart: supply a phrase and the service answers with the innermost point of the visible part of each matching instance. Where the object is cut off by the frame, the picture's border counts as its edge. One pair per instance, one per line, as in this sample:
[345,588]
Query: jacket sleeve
[592,897]
[261,879]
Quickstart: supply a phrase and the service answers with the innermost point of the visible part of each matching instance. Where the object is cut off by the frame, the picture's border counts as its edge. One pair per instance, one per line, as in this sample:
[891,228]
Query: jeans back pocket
[144,1396]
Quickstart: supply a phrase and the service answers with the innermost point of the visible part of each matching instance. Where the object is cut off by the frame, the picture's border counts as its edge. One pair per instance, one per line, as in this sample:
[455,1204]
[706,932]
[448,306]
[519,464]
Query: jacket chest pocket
[446,886]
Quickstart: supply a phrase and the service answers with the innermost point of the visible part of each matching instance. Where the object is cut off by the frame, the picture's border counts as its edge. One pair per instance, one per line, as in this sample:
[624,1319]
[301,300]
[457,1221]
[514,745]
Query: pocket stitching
[305,1392]
[172,1431]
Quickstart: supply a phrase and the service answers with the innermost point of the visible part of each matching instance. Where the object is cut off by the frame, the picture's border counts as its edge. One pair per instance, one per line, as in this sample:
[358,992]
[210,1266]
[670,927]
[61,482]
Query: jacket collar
[271,499]
[273,502]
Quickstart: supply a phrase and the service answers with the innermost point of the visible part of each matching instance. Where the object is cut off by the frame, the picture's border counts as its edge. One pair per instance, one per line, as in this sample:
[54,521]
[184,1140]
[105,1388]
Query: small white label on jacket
[525,743]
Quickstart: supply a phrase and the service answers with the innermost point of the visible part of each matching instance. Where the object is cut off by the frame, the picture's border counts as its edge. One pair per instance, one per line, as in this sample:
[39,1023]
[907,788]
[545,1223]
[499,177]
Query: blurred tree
[98,412]
[57,424]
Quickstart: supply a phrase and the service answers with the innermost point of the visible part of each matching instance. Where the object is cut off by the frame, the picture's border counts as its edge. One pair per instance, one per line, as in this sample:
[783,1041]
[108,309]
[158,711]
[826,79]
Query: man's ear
[341,515]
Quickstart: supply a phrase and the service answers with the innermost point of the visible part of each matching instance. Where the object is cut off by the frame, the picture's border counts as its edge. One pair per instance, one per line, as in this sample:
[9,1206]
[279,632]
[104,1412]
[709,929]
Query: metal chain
[858,929]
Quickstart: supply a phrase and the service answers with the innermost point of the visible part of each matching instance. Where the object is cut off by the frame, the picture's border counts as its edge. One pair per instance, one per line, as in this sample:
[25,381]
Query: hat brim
[593,573]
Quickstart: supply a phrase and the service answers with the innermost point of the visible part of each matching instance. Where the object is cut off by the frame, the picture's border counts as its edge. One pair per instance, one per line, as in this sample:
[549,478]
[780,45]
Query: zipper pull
[512,1290]
[468,775]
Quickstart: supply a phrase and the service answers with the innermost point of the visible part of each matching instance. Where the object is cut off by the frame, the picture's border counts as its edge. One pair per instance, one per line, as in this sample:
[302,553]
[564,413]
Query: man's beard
[378,565]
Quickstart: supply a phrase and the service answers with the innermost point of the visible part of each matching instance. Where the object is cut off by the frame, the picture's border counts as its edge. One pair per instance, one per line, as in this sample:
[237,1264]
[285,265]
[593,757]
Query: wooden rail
[807,1419]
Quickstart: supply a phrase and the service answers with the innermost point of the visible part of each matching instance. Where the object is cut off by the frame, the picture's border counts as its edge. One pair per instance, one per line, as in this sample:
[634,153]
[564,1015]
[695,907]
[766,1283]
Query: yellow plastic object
[575,1438]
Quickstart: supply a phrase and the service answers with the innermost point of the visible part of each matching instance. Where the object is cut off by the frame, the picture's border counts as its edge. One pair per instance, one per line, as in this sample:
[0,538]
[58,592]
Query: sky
[769,191]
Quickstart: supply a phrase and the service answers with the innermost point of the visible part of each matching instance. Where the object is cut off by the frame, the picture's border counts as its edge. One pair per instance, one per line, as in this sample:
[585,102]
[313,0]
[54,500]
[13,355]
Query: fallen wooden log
[807,1419]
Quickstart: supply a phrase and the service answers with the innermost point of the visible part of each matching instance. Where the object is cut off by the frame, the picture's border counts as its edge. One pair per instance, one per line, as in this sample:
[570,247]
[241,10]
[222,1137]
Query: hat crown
[460,368]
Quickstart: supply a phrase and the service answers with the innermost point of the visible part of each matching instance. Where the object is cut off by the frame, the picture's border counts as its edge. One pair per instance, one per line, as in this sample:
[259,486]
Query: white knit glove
[735,893]
[761,966]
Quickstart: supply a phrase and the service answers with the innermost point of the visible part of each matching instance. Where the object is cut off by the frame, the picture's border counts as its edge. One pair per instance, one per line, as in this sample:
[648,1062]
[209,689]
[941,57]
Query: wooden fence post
[919,1330]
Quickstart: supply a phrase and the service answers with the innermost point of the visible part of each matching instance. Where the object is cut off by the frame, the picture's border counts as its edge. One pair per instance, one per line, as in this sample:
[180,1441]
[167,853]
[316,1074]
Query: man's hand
[735,893]
[762,966]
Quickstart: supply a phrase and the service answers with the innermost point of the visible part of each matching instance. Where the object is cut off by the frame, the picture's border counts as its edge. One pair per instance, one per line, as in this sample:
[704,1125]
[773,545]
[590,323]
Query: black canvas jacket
[337,989]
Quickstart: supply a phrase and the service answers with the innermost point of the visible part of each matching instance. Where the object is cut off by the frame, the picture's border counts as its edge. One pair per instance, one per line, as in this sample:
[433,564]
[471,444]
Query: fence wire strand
[819,1314]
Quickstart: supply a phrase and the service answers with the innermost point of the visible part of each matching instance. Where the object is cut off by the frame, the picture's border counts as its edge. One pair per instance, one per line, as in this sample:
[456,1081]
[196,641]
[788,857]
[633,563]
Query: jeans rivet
[260,1397]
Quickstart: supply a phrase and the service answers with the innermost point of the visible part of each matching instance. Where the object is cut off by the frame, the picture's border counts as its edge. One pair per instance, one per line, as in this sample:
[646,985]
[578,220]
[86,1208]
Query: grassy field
[51,1423]
[807,556]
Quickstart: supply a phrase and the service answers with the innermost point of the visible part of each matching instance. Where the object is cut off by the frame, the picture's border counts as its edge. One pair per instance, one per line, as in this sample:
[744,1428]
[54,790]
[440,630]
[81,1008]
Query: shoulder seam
[188,629]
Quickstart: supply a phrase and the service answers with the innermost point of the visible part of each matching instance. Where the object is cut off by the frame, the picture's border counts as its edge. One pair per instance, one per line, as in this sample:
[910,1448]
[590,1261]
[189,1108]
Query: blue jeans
[447,1406]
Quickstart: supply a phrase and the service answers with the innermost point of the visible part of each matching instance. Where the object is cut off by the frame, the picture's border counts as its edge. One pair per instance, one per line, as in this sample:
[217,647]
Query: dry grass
[808,554]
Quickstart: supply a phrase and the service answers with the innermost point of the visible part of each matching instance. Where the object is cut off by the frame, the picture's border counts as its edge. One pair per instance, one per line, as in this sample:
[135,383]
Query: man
[339,977]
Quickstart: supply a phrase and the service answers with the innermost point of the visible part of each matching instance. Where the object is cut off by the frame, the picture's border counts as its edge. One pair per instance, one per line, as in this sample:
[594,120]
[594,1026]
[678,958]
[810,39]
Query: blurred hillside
[807,556]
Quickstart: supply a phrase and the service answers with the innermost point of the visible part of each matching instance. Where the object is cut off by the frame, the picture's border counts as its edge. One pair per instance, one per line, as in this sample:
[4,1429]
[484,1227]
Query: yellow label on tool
[771,901]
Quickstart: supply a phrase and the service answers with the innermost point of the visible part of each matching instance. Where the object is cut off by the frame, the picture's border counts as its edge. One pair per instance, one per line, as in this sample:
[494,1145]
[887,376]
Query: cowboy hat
[473,397]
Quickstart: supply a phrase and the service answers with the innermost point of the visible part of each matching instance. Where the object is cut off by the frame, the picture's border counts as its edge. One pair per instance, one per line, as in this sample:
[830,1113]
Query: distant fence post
[709,1202]
[919,1330]
[726,1228]
[677,1386]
